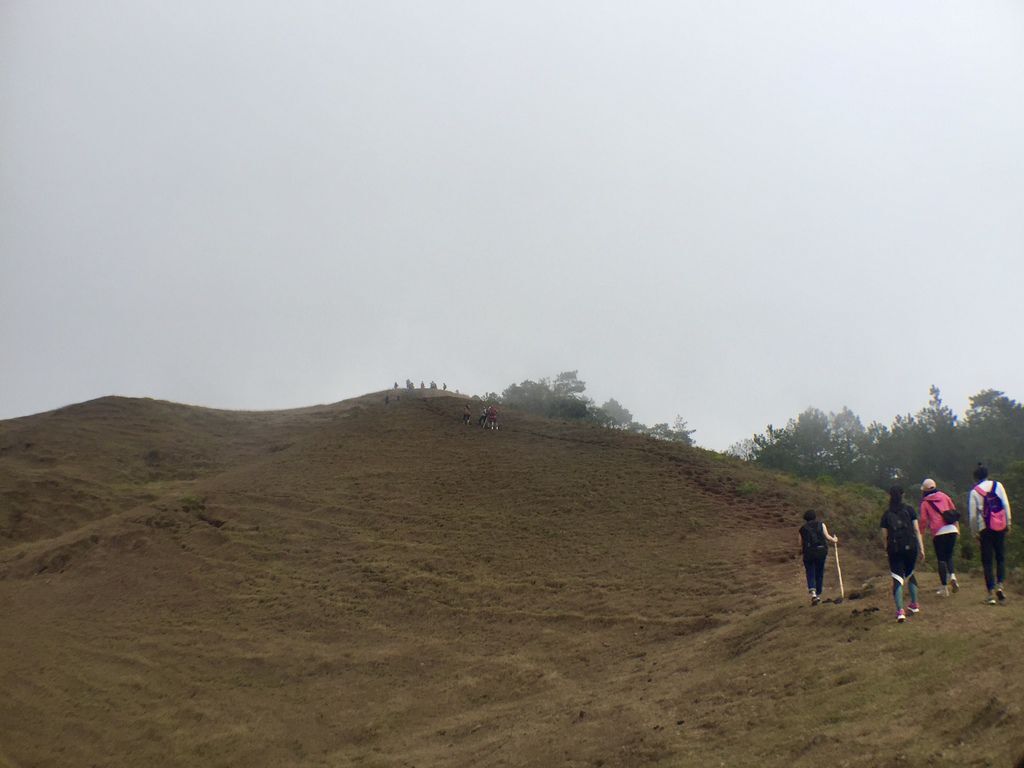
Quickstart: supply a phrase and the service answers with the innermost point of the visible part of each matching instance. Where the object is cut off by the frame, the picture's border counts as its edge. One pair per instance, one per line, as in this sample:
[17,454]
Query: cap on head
[928,484]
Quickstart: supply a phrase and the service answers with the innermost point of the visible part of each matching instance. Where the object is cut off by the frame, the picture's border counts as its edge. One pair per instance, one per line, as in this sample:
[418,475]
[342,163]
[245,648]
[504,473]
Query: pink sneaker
[914,608]
[901,616]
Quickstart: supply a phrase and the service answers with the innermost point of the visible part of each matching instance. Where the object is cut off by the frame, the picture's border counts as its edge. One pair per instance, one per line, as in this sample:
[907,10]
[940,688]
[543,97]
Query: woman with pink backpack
[989,514]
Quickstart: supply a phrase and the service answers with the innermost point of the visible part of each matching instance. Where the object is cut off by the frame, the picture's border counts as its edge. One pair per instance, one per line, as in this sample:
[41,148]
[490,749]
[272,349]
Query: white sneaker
[954,583]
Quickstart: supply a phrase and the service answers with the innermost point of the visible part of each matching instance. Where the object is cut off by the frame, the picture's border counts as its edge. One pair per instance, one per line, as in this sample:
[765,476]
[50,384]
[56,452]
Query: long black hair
[895,497]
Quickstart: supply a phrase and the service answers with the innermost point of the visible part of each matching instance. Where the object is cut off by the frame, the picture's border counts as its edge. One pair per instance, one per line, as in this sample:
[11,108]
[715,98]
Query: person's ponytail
[896,497]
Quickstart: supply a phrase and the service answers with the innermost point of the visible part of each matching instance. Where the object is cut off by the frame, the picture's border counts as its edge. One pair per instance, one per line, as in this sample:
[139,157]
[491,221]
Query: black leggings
[993,543]
[945,545]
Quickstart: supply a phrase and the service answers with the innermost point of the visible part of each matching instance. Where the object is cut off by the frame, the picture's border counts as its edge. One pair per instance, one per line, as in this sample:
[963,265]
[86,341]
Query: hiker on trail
[989,515]
[444,387]
[492,417]
[904,547]
[814,538]
[396,385]
[940,518]
[467,415]
[483,417]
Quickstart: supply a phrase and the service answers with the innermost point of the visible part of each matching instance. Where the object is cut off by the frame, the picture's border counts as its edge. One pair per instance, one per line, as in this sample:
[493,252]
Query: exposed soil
[379,585]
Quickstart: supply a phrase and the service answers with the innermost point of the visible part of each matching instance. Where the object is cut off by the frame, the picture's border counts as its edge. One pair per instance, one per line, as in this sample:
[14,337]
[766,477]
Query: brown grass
[373,585]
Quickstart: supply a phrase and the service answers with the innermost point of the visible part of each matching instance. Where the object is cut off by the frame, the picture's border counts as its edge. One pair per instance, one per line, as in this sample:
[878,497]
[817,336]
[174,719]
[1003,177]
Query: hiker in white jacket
[990,524]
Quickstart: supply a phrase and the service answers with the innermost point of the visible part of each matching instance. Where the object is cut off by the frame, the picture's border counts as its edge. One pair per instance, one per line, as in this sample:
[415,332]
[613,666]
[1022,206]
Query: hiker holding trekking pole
[814,538]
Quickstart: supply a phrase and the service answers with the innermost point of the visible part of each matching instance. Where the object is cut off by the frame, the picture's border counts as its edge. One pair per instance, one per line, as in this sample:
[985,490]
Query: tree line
[934,442]
[563,398]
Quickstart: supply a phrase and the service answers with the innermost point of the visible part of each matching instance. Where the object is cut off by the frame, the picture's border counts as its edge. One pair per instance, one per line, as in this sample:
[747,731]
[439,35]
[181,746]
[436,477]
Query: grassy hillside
[371,585]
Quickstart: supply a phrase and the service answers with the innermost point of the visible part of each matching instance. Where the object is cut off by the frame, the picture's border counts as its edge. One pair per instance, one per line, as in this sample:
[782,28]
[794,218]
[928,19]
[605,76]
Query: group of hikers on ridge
[989,518]
[488,416]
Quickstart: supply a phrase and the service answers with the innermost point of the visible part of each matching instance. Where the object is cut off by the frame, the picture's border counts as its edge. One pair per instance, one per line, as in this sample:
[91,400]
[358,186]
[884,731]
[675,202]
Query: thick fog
[730,211]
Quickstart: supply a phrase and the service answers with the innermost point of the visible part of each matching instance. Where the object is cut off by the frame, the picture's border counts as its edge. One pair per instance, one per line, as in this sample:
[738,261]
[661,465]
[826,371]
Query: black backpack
[900,523]
[949,516]
[813,535]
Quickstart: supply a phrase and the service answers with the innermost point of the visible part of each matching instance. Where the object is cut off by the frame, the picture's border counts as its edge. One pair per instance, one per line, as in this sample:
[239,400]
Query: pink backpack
[993,512]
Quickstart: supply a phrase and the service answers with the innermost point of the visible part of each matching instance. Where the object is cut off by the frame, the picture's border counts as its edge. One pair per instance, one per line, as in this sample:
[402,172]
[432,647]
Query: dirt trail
[375,585]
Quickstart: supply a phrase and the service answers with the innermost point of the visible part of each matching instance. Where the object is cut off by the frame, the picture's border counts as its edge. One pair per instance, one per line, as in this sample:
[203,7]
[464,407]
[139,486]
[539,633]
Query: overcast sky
[726,210]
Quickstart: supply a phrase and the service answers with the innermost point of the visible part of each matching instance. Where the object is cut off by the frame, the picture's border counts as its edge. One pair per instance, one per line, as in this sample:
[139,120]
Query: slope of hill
[378,585]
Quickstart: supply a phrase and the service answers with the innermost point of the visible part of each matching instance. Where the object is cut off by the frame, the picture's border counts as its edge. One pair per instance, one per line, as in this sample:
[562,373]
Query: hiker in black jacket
[814,538]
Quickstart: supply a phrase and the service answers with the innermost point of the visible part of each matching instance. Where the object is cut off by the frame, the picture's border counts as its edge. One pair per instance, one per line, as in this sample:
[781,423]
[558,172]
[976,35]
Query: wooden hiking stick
[842,593]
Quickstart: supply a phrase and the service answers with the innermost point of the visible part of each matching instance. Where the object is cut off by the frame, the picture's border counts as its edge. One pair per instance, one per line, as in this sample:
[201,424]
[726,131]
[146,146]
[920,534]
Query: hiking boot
[991,599]
[1000,595]
[954,583]
[901,616]
[942,591]
[815,599]
[914,608]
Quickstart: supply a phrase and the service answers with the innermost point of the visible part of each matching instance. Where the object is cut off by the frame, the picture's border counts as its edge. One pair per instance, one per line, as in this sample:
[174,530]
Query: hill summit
[376,584]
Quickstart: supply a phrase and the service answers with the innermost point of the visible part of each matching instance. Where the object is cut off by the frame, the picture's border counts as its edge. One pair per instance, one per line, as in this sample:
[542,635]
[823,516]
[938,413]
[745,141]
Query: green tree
[568,384]
[562,398]
[678,432]
[928,443]
[993,429]
[1013,480]
[742,449]
[848,447]
[618,415]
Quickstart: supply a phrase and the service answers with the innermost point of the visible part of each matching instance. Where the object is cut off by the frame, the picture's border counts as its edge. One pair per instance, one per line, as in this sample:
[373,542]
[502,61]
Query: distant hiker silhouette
[467,416]
[492,417]
[444,387]
[483,417]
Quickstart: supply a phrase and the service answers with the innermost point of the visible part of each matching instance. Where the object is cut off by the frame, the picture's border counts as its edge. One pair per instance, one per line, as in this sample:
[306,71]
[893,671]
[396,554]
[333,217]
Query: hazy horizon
[729,212]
